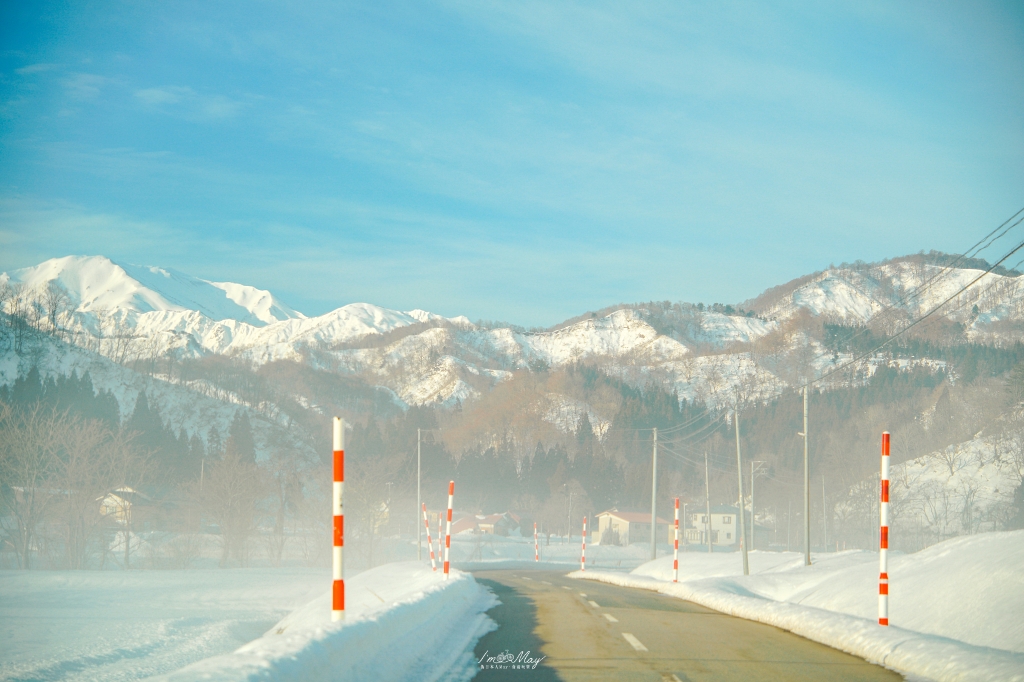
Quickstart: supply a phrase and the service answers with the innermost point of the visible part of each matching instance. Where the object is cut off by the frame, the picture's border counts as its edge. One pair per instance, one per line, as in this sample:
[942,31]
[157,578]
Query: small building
[121,504]
[724,527]
[498,524]
[626,528]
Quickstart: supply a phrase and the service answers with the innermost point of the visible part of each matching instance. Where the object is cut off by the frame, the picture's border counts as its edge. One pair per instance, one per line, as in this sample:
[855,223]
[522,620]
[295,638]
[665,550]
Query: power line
[934,280]
[917,321]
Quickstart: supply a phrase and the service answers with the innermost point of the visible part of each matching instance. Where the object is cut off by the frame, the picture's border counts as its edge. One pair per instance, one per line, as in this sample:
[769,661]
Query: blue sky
[523,161]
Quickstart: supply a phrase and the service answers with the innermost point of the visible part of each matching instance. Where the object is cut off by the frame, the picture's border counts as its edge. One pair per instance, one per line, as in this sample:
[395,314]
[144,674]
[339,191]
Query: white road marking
[531,580]
[670,677]
[610,617]
[584,594]
[566,587]
[547,583]
[634,642]
[594,604]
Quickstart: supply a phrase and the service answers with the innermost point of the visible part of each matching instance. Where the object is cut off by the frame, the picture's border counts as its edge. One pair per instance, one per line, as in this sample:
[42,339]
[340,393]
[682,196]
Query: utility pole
[789,527]
[684,527]
[743,512]
[568,527]
[755,468]
[807,490]
[654,498]
[419,535]
[824,524]
[707,502]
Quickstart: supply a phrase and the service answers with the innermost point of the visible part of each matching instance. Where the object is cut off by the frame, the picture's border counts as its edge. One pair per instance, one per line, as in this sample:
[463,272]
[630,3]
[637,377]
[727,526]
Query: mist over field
[144,428]
[455,340]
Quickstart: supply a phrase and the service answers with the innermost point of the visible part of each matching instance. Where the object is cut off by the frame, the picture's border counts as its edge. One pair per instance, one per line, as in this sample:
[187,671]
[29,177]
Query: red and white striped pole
[883,538]
[583,555]
[448,528]
[430,545]
[338,563]
[675,550]
[536,545]
[440,527]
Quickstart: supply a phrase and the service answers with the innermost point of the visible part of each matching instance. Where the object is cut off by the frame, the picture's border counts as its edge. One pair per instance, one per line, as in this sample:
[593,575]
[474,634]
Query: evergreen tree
[240,443]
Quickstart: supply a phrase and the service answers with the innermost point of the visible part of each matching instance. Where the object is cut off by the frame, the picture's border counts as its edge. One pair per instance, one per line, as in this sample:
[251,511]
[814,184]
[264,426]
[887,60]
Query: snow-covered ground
[484,551]
[403,621]
[124,625]
[954,608]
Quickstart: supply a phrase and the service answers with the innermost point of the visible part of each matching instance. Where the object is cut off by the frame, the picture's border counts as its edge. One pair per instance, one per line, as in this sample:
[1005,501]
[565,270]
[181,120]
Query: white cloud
[84,85]
[166,95]
[185,102]
[35,68]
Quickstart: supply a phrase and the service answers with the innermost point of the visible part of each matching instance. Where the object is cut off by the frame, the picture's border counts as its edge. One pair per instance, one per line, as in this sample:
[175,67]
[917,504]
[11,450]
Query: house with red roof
[625,528]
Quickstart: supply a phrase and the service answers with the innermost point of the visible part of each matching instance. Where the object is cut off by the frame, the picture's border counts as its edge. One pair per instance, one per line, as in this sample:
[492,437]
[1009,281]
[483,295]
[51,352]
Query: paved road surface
[594,631]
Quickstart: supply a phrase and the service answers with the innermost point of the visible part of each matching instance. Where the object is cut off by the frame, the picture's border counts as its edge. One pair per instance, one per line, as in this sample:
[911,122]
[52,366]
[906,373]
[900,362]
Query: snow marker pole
[430,545]
[448,528]
[338,562]
[440,527]
[883,538]
[583,555]
[675,550]
[536,545]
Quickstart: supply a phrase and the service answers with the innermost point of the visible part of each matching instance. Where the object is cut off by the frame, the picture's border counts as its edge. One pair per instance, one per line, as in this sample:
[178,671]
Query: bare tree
[367,498]
[28,459]
[130,467]
[17,309]
[283,473]
[57,303]
[1012,453]
[83,477]
[231,496]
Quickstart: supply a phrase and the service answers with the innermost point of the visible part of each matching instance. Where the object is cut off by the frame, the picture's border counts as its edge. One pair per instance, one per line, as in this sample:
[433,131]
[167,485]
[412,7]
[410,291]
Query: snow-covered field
[123,625]
[955,608]
[403,621]
[483,551]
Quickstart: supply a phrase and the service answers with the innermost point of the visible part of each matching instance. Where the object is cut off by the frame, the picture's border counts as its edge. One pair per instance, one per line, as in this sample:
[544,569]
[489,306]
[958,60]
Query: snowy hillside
[95,283]
[711,354]
[857,295]
[179,408]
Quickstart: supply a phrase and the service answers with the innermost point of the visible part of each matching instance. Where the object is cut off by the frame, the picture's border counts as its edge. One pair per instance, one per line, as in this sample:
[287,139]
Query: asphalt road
[593,631]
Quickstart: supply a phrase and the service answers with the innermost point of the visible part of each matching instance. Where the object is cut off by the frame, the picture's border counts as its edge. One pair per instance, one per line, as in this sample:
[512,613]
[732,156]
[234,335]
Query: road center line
[633,641]
[594,604]
[545,582]
[583,594]
[566,587]
[610,617]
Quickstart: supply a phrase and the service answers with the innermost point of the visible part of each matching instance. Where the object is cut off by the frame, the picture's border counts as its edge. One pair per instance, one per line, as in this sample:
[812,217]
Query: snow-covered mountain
[712,354]
[96,283]
[187,316]
[180,409]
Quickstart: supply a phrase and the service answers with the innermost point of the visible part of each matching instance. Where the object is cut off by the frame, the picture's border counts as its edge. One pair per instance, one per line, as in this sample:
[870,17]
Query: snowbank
[403,622]
[955,607]
[126,625]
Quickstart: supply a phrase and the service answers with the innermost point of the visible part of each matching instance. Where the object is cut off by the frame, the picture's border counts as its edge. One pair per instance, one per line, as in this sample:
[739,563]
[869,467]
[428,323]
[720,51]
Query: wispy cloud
[84,85]
[166,95]
[35,68]
[186,102]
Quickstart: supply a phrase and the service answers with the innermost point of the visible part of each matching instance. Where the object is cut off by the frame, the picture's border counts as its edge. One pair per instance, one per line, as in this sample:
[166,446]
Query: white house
[624,528]
[724,527]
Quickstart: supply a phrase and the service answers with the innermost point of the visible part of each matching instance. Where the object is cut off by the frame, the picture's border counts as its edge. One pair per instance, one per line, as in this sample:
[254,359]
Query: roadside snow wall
[969,587]
[403,622]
